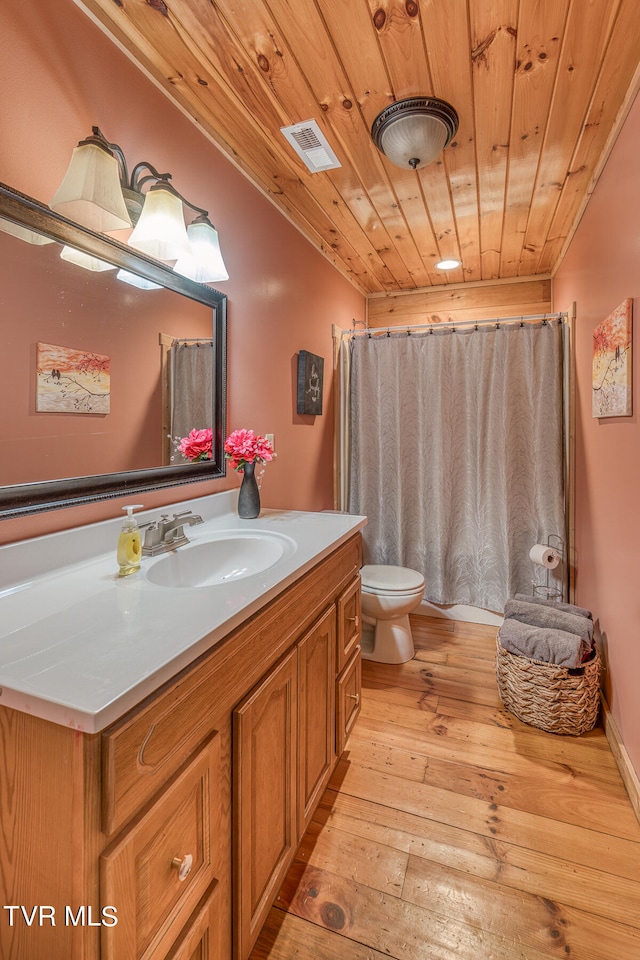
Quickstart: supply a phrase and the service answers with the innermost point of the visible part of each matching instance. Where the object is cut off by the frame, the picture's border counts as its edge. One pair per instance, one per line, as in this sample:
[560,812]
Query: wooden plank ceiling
[540,87]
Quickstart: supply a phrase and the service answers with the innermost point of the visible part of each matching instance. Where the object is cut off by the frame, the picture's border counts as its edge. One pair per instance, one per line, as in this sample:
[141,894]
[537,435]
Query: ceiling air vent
[311,145]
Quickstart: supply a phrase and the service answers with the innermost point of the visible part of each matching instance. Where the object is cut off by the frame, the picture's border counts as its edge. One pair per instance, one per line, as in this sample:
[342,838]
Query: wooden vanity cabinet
[183,815]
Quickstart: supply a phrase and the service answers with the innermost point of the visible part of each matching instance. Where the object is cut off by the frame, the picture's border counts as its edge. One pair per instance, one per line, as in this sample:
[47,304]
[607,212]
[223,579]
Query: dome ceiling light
[412,132]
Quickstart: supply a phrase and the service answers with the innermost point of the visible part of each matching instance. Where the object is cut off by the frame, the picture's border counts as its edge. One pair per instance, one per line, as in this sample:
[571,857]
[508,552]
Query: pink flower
[244,446]
[197,446]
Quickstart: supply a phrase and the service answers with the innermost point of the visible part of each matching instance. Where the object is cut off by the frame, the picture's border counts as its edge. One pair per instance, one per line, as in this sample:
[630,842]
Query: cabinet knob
[354,620]
[183,866]
[355,696]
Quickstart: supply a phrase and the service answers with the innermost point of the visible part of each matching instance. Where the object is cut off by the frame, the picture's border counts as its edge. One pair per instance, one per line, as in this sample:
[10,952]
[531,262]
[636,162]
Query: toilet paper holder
[552,589]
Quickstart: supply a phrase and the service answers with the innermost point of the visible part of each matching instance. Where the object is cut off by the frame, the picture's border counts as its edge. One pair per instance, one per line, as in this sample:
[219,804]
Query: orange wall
[60,75]
[602,268]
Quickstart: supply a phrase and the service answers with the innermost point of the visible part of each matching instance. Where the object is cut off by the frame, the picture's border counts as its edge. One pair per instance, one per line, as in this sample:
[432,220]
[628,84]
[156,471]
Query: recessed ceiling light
[447,264]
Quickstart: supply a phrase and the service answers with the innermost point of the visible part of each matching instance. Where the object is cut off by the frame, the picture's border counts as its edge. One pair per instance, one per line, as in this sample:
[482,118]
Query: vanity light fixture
[412,132]
[204,262]
[157,213]
[90,192]
[160,232]
[447,264]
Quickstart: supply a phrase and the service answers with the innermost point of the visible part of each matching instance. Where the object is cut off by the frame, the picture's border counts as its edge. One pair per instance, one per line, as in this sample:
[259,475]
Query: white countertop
[80,646]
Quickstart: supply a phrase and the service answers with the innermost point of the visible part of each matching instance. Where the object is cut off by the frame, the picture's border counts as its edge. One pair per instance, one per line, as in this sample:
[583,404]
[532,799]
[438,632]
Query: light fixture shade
[90,192]
[85,260]
[204,263]
[448,264]
[160,231]
[412,132]
[23,233]
[141,282]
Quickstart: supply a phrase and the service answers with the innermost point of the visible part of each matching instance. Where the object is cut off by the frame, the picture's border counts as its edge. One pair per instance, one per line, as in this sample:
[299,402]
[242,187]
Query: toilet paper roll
[544,556]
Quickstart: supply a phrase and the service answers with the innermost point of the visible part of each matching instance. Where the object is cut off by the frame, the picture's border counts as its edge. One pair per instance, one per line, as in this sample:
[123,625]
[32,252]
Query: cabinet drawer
[158,870]
[141,752]
[349,622]
[201,938]
[348,695]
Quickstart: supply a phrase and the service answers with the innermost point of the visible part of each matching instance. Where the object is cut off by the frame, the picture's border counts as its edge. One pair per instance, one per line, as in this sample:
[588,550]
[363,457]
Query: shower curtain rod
[193,339]
[399,328]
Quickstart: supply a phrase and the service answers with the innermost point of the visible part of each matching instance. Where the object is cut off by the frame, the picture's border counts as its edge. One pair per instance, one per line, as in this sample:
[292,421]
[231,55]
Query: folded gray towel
[542,616]
[558,604]
[540,643]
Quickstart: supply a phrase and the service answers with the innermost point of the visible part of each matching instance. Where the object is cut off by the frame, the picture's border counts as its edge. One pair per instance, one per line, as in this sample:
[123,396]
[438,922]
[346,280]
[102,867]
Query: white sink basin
[220,559]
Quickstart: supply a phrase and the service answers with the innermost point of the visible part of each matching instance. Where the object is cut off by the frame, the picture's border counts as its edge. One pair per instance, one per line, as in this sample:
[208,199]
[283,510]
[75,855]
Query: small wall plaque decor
[72,381]
[310,376]
[611,375]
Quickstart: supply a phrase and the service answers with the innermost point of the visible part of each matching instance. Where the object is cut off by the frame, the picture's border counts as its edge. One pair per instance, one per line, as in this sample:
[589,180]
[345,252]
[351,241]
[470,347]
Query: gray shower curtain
[191,388]
[456,454]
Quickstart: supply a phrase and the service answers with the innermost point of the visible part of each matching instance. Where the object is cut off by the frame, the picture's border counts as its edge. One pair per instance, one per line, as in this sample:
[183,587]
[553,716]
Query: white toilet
[389,595]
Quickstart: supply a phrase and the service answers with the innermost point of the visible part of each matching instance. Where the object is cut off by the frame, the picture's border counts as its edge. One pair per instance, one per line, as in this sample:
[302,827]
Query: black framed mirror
[81,453]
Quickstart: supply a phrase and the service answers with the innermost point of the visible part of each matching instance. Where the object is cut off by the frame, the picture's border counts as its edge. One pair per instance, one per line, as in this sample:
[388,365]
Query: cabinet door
[349,622]
[349,687]
[265,749]
[316,714]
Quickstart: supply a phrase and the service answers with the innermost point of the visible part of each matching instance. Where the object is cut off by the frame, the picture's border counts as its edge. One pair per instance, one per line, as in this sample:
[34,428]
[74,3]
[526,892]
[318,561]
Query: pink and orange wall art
[611,374]
[72,381]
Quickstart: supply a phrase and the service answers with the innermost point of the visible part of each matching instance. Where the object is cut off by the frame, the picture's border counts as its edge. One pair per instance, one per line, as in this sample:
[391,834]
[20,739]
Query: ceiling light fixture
[447,264]
[98,193]
[412,132]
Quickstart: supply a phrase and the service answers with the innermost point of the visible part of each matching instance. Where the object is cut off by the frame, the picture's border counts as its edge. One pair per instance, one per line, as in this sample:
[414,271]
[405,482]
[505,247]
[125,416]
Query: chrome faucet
[167,534]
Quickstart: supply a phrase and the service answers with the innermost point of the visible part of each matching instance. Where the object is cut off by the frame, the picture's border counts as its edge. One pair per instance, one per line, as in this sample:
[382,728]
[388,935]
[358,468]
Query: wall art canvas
[310,376]
[72,381]
[611,373]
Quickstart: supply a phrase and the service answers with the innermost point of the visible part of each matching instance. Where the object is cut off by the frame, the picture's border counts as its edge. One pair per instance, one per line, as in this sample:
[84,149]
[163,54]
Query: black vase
[249,496]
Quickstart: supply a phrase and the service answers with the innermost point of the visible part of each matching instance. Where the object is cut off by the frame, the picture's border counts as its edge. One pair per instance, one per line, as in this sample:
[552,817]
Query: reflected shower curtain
[456,454]
[191,388]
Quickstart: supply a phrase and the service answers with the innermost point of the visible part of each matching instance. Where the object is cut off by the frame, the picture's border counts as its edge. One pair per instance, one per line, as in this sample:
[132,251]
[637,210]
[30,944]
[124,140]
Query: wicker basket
[557,699]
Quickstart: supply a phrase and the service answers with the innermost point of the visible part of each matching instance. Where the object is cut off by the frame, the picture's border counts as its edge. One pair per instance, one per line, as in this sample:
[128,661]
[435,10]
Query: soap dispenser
[129,543]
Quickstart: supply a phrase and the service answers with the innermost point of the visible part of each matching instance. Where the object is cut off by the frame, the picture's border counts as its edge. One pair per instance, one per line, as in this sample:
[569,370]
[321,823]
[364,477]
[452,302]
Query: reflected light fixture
[23,233]
[136,281]
[97,183]
[85,260]
[412,132]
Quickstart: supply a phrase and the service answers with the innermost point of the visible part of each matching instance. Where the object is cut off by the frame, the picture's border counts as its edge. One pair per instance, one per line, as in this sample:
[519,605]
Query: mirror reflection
[102,378]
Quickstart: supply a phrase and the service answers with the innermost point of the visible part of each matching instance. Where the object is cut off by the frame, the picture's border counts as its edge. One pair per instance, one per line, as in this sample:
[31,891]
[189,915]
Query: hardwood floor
[452,830]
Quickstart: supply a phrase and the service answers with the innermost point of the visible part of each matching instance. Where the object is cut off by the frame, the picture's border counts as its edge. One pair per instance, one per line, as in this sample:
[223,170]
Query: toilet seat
[389,580]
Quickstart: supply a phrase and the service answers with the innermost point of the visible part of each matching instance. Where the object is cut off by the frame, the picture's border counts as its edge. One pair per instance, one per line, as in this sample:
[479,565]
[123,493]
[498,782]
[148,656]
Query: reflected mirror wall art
[72,381]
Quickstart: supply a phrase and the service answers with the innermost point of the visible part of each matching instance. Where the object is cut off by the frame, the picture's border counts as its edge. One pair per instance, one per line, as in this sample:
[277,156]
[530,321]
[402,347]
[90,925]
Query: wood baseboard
[627,771]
